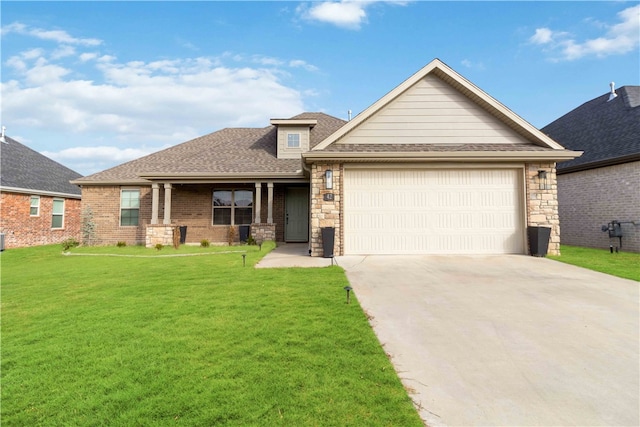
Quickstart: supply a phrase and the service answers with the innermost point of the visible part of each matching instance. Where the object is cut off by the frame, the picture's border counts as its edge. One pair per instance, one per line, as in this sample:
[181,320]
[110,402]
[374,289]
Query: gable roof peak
[462,85]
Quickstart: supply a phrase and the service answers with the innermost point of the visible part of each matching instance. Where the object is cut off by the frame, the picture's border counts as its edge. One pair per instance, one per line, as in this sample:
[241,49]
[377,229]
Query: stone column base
[159,234]
[263,231]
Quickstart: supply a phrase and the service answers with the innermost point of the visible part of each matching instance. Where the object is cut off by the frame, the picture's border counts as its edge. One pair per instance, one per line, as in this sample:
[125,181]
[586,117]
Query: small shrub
[70,243]
[250,240]
[159,246]
[204,243]
[121,244]
[232,235]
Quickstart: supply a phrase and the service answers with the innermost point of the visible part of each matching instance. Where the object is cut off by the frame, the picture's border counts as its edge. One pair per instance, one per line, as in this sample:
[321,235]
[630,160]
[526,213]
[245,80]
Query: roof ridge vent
[613,93]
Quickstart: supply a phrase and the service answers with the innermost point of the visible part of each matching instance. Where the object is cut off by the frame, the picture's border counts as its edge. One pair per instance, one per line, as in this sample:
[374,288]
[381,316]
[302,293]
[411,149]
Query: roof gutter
[599,164]
[200,178]
[443,156]
[39,192]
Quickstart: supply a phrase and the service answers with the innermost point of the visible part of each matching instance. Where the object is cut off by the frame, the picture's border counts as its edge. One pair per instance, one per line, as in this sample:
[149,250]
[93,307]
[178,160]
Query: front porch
[211,212]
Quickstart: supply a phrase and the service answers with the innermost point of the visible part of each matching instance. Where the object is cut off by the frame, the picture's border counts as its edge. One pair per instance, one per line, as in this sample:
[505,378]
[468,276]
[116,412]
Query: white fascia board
[294,122]
[39,192]
[526,156]
[222,177]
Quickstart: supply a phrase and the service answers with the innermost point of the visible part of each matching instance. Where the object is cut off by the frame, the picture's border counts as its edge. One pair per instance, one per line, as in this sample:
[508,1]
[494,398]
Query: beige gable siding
[432,112]
[285,152]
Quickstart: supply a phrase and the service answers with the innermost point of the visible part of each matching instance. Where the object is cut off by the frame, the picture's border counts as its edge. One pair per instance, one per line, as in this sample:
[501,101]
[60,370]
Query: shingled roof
[26,170]
[607,131]
[230,151]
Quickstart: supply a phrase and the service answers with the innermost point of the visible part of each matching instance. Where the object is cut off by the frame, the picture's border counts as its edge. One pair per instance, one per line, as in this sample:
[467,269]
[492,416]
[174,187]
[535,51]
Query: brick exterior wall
[104,202]
[191,206]
[541,204]
[22,230]
[592,198]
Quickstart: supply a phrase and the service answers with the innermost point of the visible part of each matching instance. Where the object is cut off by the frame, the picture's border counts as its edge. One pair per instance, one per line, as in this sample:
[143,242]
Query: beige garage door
[433,211]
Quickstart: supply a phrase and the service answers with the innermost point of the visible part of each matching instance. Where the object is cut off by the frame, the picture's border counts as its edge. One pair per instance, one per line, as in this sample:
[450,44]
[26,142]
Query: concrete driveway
[506,340]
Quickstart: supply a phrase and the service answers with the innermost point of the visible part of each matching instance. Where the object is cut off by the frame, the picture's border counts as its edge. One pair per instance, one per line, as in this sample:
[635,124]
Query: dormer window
[293,140]
[294,136]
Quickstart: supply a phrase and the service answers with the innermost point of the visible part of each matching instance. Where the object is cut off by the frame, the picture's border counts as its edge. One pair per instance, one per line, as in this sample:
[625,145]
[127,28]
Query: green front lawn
[622,264]
[190,340]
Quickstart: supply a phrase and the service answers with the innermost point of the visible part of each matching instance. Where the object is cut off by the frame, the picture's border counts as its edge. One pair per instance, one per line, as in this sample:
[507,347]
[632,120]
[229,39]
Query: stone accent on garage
[326,213]
[542,201]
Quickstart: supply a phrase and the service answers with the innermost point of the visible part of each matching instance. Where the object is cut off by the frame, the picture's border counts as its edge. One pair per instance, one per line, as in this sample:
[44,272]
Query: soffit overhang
[442,156]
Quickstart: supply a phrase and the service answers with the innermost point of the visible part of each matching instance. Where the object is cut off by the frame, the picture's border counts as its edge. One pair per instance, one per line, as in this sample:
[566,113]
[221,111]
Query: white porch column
[270,202]
[258,202]
[155,200]
[167,203]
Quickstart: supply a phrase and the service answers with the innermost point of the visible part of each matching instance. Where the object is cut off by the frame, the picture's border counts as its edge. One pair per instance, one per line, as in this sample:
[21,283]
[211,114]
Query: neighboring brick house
[435,166]
[38,204]
[603,185]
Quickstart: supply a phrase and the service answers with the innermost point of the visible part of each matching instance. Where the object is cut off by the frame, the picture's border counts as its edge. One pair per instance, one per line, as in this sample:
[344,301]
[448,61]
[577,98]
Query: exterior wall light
[328,179]
[542,179]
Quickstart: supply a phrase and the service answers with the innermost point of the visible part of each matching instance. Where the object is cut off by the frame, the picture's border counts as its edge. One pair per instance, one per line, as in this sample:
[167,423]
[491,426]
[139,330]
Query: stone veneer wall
[326,213]
[263,232]
[159,234]
[542,202]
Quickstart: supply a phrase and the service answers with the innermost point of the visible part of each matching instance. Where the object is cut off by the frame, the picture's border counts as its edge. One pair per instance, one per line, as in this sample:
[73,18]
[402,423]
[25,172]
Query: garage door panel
[432,211]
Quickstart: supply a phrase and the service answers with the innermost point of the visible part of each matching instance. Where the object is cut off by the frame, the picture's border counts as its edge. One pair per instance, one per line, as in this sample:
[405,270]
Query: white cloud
[469,64]
[542,36]
[117,107]
[63,51]
[619,39]
[299,63]
[57,36]
[349,14]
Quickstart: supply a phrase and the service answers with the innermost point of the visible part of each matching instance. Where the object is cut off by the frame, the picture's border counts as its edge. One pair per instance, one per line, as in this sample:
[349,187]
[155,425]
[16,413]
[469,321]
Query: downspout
[307,172]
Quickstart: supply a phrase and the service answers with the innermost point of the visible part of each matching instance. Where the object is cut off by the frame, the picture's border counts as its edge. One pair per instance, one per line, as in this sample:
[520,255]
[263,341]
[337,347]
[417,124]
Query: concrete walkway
[292,255]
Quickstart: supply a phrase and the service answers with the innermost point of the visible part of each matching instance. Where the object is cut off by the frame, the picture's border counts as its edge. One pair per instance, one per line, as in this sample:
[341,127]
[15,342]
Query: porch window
[232,207]
[34,209]
[57,217]
[129,207]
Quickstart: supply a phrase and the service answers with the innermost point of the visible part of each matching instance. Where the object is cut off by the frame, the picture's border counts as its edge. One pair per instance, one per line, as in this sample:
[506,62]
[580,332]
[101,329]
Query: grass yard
[190,340]
[622,264]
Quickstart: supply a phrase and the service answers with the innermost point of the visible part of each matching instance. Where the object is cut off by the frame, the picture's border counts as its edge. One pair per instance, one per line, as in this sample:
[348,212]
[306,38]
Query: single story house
[602,187]
[38,204]
[436,166]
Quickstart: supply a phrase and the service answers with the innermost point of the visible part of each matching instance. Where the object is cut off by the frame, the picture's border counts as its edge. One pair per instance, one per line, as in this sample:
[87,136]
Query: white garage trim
[463,209]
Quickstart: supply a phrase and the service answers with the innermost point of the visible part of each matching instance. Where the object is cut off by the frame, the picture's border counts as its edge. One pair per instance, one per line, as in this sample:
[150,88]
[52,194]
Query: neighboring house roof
[27,171]
[607,131]
[230,152]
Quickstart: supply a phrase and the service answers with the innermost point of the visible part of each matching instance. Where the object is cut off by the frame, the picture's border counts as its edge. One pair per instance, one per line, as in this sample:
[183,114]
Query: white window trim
[53,214]
[232,207]
[294,147]
[37,206]
[120,209]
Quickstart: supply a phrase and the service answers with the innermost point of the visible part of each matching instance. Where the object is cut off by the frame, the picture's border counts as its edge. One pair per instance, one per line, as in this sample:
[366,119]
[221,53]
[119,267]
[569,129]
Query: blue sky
[94,84]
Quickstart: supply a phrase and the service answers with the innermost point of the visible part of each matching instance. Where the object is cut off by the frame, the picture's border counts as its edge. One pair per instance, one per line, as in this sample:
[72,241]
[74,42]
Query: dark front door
[296,216]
